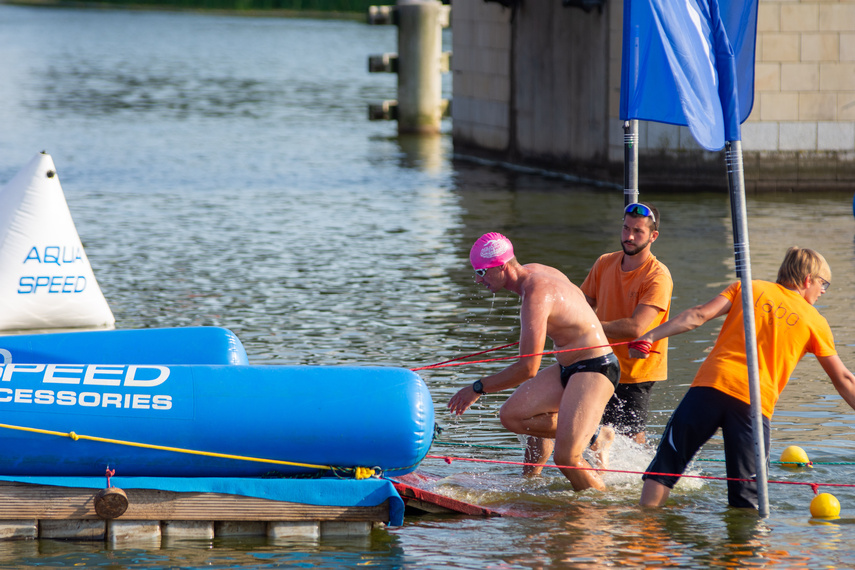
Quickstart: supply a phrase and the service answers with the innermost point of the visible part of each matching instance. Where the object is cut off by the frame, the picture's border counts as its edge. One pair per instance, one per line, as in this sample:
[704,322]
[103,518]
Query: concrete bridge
[537,83]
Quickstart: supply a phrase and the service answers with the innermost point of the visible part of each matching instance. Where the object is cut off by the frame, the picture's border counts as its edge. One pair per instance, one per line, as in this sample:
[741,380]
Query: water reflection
[593,537]
[427,153]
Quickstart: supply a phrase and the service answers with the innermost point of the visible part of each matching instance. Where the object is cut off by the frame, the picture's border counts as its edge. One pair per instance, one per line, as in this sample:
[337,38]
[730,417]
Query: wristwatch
[478,387]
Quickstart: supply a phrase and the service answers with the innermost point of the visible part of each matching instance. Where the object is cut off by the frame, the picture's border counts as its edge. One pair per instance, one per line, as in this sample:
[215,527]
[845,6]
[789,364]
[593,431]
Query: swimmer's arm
[534,315]
[841,377]
[533,318]
[512,376]
[631,327]
[688,320]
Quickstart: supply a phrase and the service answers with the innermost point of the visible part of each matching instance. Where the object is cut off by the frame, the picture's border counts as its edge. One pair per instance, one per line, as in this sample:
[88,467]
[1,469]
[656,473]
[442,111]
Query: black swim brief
[607,365]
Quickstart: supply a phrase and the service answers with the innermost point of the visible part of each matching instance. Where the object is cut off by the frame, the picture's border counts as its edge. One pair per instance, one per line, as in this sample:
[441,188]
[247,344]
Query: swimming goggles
[640,210]
[481,272]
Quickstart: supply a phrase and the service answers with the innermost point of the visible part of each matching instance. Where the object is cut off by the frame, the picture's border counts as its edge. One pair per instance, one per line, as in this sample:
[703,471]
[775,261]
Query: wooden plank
[43,502]
[411,489]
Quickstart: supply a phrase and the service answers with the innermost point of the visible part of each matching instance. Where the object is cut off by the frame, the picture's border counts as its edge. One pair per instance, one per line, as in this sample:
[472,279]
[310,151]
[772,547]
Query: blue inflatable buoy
[184,402]
[190,420]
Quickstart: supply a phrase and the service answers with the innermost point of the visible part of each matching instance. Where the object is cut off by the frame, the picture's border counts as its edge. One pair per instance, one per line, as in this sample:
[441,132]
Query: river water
[222,171]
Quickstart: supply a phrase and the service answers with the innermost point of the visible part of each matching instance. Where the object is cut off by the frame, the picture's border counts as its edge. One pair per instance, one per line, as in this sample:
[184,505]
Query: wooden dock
[30,511]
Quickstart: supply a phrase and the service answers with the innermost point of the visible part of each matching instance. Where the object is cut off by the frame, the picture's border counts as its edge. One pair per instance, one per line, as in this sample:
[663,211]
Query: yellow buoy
[795,456]
[825,506]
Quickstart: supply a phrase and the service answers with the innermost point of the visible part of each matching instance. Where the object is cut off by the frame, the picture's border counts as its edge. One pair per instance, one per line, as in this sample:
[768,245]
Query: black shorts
[701,412]
[628,407]
[607,365]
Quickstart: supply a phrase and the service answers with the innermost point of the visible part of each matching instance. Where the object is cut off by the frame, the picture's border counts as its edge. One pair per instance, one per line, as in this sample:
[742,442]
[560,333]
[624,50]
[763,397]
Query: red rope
[110,473]
[814,486]
[469,355]
[452,363]
[642,346]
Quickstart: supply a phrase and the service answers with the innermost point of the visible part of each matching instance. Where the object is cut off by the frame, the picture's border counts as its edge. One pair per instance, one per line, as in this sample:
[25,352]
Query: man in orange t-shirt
[631,292]
[787,327]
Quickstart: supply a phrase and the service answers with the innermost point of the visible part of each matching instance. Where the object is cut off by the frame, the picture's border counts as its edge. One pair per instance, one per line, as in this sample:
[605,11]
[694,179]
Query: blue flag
[691,63]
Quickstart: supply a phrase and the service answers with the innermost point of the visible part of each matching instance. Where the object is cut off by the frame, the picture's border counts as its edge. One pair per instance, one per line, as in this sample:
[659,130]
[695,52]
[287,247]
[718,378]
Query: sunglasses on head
[640,210]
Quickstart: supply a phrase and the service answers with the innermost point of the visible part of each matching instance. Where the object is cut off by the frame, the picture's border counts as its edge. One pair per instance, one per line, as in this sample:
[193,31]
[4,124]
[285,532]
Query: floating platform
[196,438]
[30,511]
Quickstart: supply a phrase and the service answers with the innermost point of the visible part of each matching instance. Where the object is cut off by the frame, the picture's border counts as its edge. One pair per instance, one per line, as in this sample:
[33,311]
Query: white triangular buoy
[46,281]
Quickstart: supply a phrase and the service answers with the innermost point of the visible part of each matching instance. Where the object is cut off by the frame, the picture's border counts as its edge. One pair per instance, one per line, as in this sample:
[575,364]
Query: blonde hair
[801,263]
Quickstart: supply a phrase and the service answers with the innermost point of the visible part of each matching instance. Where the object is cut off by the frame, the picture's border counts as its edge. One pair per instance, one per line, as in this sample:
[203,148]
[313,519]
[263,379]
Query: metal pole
[736,186]
[630,162]
[630,131]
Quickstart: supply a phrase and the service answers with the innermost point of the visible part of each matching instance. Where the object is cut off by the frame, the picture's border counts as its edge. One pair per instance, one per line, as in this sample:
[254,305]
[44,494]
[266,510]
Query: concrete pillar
[299,529]
[73,529]
[346,528]
[133,533]
[15,529]
[419,66]
[239,528]
[188,530]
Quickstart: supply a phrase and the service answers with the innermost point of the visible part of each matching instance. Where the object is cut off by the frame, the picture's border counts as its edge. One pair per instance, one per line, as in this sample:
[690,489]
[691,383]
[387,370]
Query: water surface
[222,171]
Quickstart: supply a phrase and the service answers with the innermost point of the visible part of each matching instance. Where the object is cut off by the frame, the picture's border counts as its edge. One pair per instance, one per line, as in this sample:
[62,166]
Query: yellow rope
[360,471]
[364,472]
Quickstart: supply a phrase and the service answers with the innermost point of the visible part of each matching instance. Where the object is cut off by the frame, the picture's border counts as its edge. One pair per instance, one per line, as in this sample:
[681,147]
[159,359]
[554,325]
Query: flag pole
[736,187]
[630,162]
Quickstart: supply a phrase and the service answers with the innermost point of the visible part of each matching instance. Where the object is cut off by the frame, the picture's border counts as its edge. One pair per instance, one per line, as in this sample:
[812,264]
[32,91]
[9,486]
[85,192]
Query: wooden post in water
[419,64]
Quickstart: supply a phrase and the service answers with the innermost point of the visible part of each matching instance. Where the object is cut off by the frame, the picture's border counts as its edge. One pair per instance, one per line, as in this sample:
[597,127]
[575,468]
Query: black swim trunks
[607,365]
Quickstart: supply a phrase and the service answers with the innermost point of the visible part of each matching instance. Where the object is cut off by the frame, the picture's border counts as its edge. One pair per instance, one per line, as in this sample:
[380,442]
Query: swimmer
[558,408]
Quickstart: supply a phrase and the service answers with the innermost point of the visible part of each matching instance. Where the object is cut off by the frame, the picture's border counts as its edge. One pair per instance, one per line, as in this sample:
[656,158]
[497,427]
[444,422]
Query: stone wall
[530,83]
[540,84]
[480,67]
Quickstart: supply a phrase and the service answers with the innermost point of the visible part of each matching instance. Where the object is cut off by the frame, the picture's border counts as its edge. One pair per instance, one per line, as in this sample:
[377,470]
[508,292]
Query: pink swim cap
[491,250]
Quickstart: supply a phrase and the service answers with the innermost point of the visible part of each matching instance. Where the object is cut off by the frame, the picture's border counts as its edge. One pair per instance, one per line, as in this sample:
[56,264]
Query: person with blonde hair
[787,326]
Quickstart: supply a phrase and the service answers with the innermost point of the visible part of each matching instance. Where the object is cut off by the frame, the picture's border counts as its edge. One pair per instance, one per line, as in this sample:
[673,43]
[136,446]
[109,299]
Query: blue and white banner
[691,63]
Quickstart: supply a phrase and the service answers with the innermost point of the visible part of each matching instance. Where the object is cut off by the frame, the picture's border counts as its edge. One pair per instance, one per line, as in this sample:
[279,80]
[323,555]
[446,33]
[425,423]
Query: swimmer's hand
[639,348]
[462,400]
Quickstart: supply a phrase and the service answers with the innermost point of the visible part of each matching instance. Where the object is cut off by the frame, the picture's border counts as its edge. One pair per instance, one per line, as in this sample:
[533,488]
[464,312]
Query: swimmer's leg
[532,411]
[602,445]
[538,450]
[581,409]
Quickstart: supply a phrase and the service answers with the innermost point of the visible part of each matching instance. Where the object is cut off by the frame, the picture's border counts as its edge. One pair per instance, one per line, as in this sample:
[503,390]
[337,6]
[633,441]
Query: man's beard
[638,249]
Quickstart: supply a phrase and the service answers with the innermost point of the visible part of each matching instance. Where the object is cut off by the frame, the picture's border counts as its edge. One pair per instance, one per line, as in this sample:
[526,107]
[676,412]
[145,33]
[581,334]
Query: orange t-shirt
[787,327]
[617,294]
